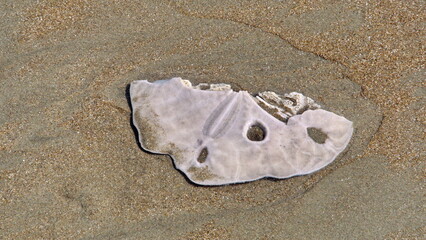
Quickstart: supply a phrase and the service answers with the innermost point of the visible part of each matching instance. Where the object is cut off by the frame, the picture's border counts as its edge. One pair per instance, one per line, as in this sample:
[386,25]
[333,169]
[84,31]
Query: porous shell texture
[205,132]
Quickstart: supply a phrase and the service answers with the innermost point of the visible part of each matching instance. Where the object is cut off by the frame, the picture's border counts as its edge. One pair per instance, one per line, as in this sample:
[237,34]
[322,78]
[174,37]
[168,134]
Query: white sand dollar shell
[206,133]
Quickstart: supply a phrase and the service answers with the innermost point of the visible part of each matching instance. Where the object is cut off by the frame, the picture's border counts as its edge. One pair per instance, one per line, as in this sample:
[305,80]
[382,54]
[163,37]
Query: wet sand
[70,164]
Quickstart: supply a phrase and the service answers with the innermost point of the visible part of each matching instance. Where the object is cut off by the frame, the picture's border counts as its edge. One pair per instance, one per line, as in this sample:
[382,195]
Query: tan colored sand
[70,166]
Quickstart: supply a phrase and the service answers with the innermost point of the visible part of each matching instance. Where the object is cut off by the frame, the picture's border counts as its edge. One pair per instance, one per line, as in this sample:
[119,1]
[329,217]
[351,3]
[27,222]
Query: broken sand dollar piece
[217,136]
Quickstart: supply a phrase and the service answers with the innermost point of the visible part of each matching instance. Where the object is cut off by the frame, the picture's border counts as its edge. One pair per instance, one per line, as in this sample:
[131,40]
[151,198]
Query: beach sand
[70,164]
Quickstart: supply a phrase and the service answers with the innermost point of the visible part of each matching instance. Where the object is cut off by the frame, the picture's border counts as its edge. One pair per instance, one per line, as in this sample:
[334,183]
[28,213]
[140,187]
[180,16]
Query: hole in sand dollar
[256,132]
[203,155]
[317,135]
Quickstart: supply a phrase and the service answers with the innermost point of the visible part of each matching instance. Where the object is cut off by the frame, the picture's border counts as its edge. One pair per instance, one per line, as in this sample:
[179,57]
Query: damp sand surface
[70,164]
